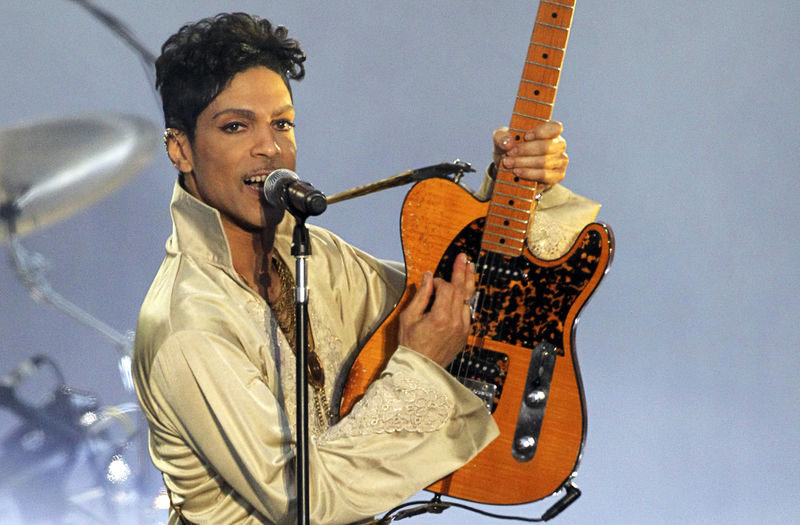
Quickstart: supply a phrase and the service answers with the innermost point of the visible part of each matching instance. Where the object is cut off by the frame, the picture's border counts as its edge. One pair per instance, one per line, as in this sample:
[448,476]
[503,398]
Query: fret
[512,251]
[516,183]
[557,48]
[540,119]
[536,108]
[544,96]
[568,6]
[517,197]
[548,55]
[508,214]
[507,207]
[504,227]
[552,26]
[521,185]
[528,81]
[505,242]
[526,99]
[513,200]
[531,62]
[499,182]
[503,251]
[557,16]
[540,74]
[522,229]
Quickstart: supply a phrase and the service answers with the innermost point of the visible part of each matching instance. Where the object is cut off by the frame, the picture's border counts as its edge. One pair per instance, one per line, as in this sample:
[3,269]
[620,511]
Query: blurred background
[681,119]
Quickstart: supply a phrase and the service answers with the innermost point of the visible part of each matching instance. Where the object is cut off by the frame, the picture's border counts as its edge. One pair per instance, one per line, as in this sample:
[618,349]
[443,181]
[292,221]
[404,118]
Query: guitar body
[520,358]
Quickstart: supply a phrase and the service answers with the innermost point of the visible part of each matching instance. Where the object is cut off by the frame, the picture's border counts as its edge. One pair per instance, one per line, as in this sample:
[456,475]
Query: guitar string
[476,327]
[485,280]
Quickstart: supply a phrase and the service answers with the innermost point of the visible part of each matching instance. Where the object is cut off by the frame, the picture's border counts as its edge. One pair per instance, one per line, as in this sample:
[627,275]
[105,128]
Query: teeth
[256,178]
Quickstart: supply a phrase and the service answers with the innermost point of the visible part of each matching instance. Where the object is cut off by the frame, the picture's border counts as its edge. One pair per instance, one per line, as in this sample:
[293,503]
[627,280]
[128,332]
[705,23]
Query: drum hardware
[48,171]
[52,169]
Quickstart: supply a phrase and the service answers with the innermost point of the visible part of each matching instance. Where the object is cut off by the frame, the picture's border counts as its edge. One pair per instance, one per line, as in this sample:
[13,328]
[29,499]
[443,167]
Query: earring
[169,133]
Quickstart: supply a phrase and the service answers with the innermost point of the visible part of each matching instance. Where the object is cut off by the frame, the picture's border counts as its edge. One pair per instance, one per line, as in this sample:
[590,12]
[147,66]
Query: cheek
[289,145]
[289,152]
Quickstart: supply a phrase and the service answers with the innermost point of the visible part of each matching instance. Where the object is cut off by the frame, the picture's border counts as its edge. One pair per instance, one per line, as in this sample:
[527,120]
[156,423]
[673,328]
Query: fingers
[441,332]
[503,141]
[539,154]
[463,278]
[460,290]
[416,307]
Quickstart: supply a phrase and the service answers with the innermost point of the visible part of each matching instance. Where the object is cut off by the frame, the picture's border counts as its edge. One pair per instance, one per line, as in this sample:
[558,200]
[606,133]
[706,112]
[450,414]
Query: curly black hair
[199,61]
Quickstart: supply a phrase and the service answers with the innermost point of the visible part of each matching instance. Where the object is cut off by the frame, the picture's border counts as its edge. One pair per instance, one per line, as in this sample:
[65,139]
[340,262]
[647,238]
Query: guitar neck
[513,200]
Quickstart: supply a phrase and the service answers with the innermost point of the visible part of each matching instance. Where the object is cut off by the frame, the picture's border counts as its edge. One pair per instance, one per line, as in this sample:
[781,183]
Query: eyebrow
[246,113]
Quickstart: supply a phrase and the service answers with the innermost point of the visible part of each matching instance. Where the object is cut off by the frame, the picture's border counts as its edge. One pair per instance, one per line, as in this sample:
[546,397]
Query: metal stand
[443,170]
[301,249]
[30,269]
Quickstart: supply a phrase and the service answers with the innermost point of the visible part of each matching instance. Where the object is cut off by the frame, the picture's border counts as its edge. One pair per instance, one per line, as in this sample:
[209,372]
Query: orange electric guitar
[520,358]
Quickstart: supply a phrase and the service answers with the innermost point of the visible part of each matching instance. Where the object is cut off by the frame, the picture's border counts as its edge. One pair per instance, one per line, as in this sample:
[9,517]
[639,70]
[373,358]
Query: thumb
[503,142]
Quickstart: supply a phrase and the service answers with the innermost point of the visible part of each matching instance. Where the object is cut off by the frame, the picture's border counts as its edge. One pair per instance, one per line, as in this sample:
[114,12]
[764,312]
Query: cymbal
[53,168]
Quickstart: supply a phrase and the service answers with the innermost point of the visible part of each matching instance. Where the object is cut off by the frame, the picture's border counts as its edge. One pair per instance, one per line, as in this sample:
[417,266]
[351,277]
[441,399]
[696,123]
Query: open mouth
[256,182]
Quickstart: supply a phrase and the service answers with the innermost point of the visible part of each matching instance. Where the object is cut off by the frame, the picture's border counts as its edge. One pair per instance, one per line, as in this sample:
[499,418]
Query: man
[214,352]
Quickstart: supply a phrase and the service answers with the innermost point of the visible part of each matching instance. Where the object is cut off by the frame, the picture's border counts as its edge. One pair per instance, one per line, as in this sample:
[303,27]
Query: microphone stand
[301,249]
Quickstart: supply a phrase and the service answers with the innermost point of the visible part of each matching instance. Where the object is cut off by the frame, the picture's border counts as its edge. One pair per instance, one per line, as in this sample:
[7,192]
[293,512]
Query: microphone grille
[275,181]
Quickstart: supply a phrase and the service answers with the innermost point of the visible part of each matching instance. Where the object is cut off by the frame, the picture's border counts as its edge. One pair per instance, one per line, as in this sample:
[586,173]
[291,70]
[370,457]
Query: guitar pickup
[483,372]
[534,402]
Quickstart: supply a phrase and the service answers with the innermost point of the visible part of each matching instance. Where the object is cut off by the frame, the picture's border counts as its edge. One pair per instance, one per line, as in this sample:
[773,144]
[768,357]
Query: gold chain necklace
[285,314]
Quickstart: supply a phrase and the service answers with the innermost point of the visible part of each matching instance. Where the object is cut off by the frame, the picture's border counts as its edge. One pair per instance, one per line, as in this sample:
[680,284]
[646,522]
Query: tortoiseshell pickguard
[521,302]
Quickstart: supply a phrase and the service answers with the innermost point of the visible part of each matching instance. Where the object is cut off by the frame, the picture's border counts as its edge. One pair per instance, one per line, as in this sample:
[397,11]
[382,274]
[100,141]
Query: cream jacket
[215,377]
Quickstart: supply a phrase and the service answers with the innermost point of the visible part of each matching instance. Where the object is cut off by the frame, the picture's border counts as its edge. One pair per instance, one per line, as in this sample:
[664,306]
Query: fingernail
[508,162]
[505,142]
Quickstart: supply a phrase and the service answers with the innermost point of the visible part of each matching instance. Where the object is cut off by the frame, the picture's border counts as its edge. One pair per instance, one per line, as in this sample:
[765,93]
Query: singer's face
[244,134]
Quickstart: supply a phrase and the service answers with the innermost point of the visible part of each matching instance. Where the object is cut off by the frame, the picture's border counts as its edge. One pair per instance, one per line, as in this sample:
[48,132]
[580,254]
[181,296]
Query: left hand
[539,155]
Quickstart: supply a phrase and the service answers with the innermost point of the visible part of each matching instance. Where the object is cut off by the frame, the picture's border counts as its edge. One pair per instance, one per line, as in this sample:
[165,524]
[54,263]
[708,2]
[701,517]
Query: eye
[232,127]
[283,124]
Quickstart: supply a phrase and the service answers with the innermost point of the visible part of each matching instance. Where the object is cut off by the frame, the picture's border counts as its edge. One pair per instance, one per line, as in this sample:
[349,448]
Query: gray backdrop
[681,118]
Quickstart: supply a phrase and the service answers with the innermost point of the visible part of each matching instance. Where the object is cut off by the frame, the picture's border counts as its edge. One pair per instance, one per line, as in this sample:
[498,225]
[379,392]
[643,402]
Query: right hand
[440,333]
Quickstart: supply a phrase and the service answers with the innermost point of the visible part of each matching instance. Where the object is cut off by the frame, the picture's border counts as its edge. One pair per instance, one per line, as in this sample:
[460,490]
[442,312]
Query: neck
[252,253]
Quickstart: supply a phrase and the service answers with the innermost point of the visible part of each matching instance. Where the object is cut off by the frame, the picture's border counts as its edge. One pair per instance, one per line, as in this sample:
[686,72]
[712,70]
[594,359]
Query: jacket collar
[197,230]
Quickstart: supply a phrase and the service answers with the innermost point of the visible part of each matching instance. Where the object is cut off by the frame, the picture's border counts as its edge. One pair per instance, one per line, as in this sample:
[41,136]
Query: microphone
[285,189]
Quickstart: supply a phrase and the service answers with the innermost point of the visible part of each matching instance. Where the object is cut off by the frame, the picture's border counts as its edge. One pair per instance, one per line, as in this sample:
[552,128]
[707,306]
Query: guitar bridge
[485,391]
[534,401]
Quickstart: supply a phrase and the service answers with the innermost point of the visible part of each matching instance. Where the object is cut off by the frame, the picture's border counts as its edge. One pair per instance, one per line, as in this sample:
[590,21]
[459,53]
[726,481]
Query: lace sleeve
[548,239]
[397,403]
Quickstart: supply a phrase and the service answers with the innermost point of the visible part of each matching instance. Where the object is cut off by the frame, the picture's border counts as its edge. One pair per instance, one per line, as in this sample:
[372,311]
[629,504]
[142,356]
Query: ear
[179,150]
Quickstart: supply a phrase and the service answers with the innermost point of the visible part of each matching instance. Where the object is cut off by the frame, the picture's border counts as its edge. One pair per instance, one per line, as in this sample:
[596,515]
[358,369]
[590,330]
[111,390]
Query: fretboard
[513,199]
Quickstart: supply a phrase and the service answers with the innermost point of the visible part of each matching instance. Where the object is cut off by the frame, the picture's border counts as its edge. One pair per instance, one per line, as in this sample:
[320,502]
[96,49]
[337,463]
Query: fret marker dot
[536,92]
[510,202]
[554,15]
[505,223]
[545,55]
[502,241]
